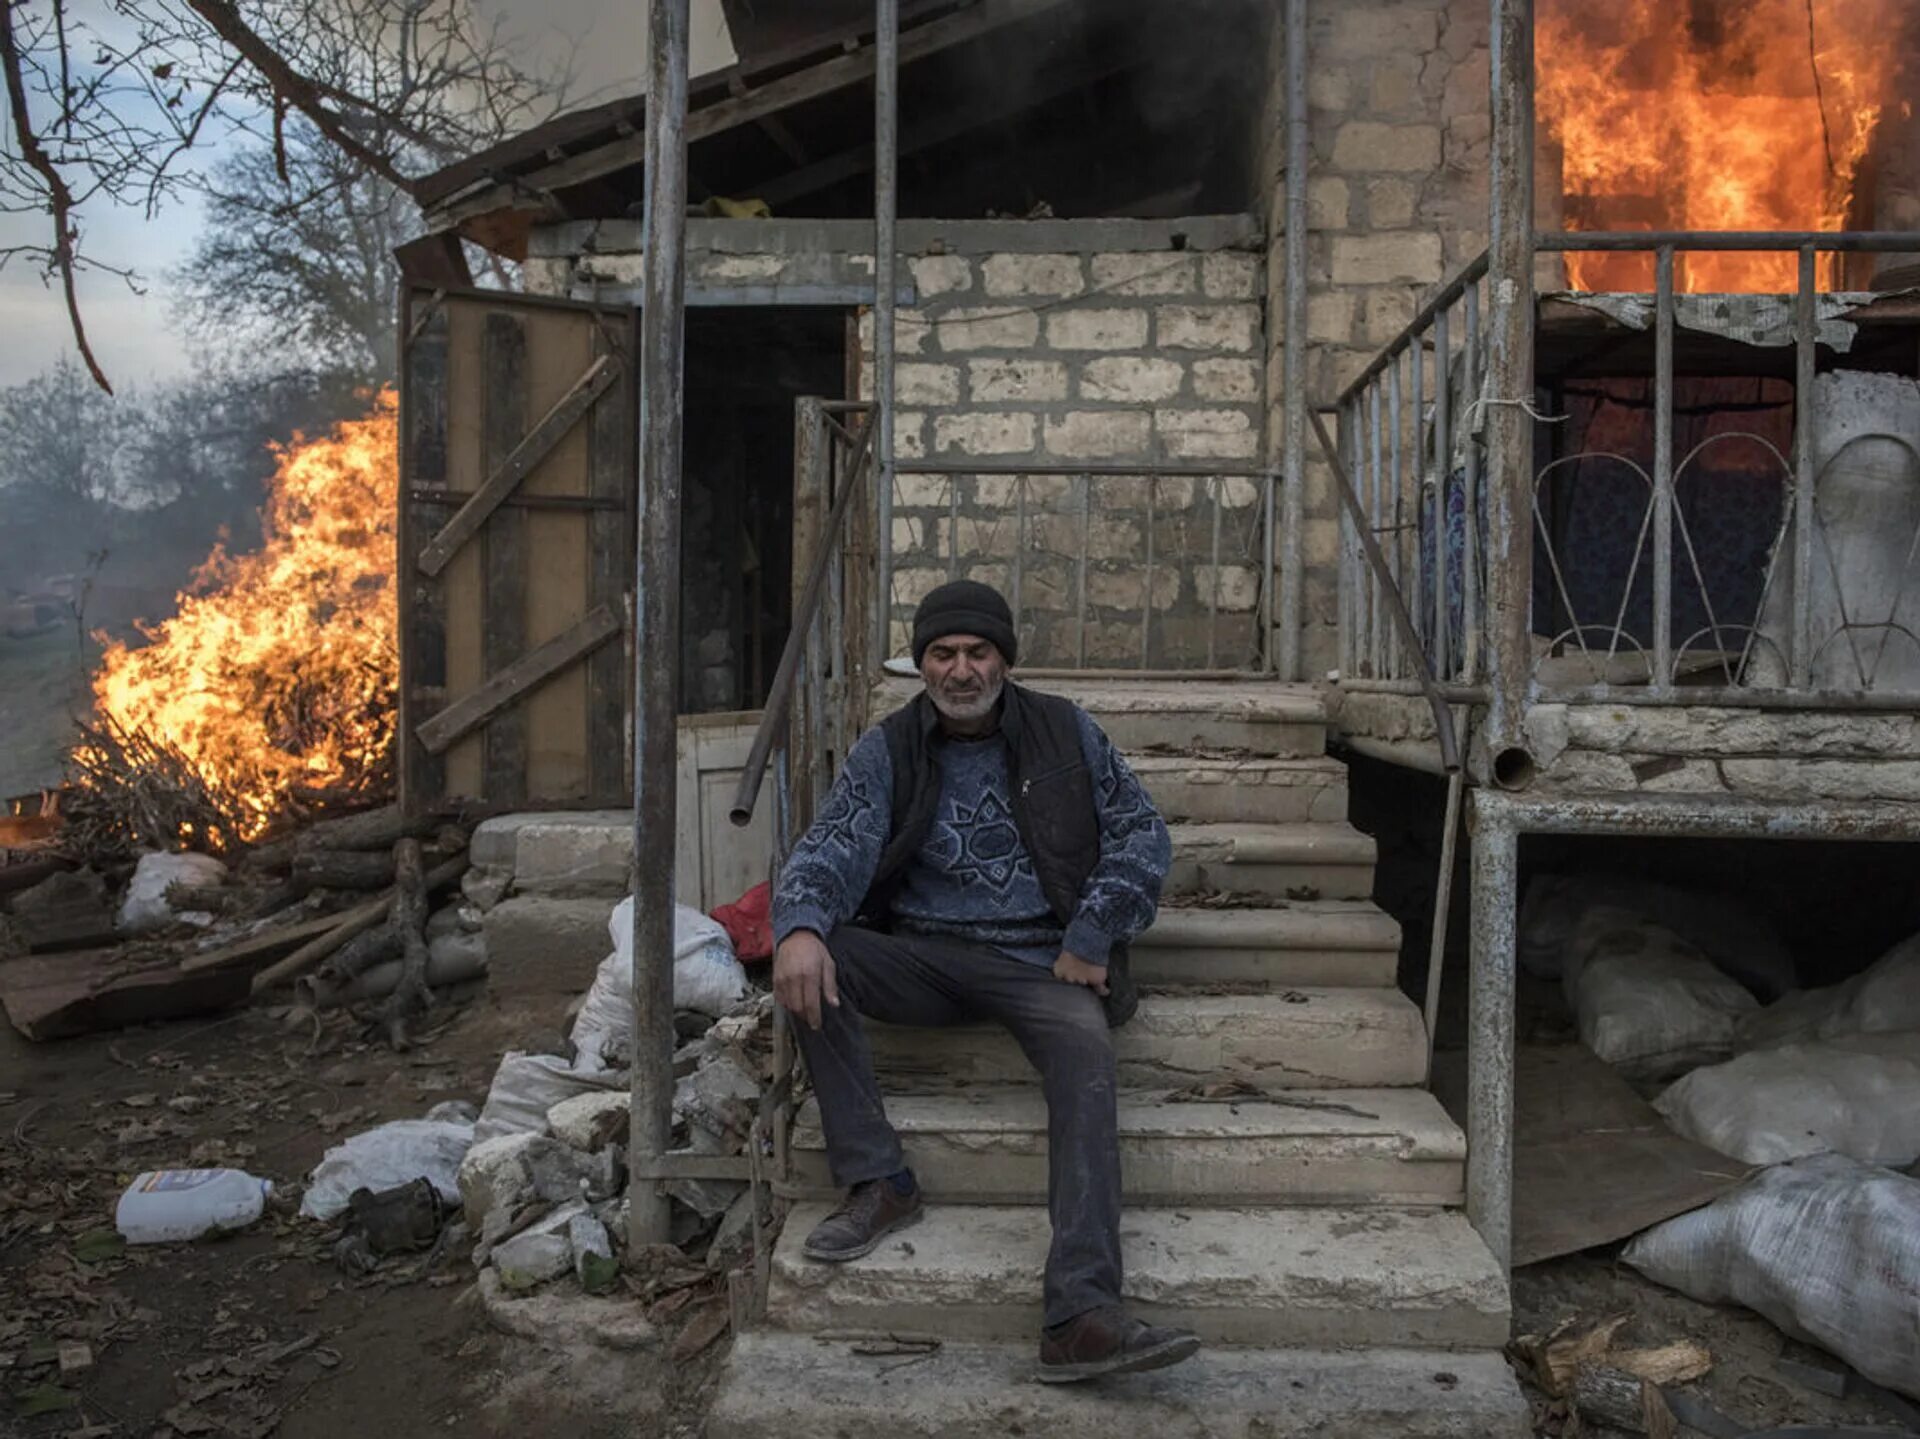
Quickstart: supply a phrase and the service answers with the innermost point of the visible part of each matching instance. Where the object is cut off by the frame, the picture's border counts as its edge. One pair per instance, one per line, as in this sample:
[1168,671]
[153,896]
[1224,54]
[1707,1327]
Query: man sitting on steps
[985,854]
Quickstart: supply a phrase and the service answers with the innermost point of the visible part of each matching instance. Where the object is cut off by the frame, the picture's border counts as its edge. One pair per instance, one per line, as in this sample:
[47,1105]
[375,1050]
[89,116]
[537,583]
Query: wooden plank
[503,610]
[58,996]
[839,73]
[531,669]
[269,944]
[424,380]
[612,479]
[576,504]
[522,456]
[465,578]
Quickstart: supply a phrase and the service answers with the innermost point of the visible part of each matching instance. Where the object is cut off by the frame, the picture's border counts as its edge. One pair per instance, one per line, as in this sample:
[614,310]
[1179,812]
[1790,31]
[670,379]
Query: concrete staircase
[1292,1193]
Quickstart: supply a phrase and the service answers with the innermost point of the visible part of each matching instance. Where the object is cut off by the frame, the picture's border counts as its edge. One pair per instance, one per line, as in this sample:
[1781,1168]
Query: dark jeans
[929,982]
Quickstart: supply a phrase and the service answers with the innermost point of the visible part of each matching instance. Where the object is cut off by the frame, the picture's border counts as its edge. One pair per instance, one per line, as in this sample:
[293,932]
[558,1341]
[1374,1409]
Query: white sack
[1645,1000]
[1883,998]
[1858,1095]
[391,1154]
[145,906]
[1721,927]
[1827,1248]
[525,1087]
[706,978]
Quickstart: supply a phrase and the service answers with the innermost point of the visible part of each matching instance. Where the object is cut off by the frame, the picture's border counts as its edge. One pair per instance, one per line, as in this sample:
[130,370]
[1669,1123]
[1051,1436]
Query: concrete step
[1279,861]
[1349,1146]
[1247,790]
[1259,717]
[539,944]
[1331,942]
[776,1386]
[1414,1278]
[1296,1039]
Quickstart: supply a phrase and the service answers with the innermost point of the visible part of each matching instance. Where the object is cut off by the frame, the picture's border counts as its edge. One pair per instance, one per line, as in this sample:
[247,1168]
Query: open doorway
[745,368]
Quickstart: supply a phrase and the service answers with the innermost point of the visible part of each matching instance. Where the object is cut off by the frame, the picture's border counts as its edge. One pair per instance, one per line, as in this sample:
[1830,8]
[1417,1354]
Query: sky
[136,337]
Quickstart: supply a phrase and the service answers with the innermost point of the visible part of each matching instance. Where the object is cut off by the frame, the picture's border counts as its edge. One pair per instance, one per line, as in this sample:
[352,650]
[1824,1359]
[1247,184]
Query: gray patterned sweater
[973,877]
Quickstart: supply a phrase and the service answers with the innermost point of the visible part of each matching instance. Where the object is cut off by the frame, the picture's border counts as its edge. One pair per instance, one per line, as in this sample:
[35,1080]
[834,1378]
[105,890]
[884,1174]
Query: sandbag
[526,1086]
[1645,1000]
[1826,1247]
[1881,999]
[145,906]
[389,1155]
[1723,928]
[1857,1095]
[706,979]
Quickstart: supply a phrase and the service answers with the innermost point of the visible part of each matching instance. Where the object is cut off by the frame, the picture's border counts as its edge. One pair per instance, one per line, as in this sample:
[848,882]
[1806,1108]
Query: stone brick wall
[1397,200]
[1080,343]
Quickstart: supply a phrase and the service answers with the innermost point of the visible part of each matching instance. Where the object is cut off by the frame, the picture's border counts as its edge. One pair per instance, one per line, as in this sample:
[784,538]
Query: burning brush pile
[270,698]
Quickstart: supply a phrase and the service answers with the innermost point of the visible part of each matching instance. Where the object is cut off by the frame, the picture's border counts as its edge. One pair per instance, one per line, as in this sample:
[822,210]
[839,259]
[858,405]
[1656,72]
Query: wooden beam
[771,126]
[438,552]
[532,669]
[776,95]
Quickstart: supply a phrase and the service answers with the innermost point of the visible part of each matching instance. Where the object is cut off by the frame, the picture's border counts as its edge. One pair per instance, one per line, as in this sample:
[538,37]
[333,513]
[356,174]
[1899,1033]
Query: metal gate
[516,554]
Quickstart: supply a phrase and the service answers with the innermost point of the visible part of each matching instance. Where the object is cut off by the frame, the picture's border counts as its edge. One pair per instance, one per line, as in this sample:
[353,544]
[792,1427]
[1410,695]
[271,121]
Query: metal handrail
[1429,683]
[780,697]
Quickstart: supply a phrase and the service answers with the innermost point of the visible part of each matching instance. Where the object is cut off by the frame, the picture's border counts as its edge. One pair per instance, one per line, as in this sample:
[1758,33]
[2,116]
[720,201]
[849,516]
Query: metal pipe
[1269,660]
[886,194]
[1461,694]
[1471,599]
[656,614]
[1857,241]
[1442,911]
[953,528]
[780,693]
[1663,469]
[1086,526]
[1146,599]
[1213,603]
[1490,1026]
[1733,697]
[1510,326]
[1805,356]
[1293,455]
[1019,556]
[1700,816]
[1442,494]
[1417,355]
[1376,657]
[1114,470]
[1396,425]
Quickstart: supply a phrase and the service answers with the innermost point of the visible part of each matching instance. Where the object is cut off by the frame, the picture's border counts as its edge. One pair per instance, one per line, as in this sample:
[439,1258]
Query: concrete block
[1235,789]
[984,432]
[1385,314]
[1098,434]
[1278,861]
[542,945]
[935,275]
[1127,589]
[1349,1146]
[1054,275]
[776,1385]
[1418,1278]
[1207,434]
[1329,89]
[1391,204]
[1091,329]
[1330,944]
[1362,145]
[1016,381]
[1329,204]
[988,328]
[1143,274]
[909,435]
[1226,380]
[922,384]
[1209,327]
[1383,31]
[919,491]
[1230,275]
[1131,379]
[1409,258]
[1336,1038]
[590,852]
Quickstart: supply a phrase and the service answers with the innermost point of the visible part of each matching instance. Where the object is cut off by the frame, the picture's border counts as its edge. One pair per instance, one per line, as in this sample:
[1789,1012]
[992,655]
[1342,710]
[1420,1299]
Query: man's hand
[803,976]
[1075,970]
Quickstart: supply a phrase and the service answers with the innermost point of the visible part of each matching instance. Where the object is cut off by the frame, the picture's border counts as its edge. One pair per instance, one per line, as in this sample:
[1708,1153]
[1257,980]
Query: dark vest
[1051,790]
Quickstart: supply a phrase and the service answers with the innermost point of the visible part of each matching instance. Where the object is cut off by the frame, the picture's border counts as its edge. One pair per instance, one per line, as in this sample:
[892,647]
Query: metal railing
[1179,580]
[1671,624]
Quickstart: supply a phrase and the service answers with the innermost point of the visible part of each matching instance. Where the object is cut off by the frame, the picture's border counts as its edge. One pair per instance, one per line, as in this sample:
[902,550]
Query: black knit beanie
[965,607]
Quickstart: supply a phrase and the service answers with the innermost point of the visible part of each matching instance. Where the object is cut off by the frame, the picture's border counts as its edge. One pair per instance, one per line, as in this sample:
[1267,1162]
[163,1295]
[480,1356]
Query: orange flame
[1712,115]
[281,668]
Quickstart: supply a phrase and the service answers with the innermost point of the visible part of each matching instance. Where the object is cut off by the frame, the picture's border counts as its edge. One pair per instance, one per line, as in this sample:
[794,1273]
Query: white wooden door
[715,863]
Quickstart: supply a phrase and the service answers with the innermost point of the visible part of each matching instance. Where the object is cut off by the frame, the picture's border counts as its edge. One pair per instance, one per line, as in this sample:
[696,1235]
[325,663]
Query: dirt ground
[258,1333]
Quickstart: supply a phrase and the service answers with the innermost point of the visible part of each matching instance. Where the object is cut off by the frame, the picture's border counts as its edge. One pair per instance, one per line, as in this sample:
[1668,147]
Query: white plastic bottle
[166,1206]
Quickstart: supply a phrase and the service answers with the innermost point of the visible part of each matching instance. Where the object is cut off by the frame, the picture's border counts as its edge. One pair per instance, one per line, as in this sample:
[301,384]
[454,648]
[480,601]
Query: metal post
[1443,495]
[1490,1025]
[1397,656]
[1146,598]
[1805,338]
[1294,382]
[1663,469]
[1376,601]
[656,617]
[886,168]
[1080,584]
[1472,621]
[1509,433]
[1213,600]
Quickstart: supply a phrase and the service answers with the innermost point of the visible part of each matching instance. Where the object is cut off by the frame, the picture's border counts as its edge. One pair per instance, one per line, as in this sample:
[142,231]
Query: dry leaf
[708,1323]
[1676,1363]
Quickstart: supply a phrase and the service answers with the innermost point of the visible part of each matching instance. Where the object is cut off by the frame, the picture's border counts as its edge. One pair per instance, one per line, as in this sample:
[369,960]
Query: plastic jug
[165,1206]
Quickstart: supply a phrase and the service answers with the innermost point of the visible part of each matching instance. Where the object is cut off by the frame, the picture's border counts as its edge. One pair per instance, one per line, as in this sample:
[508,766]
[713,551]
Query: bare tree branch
[60,196]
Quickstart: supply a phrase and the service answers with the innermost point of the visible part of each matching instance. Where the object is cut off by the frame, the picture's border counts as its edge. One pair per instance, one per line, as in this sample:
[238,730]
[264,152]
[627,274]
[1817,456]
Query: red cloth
[749,923]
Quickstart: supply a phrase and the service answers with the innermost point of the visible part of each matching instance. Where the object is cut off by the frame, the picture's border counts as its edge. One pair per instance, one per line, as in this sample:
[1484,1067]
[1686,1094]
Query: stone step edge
[1352,925]
[1328,842]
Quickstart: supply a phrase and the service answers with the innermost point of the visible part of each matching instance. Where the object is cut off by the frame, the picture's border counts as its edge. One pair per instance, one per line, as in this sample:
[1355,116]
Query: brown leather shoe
[1108,1341]
[870,1212]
